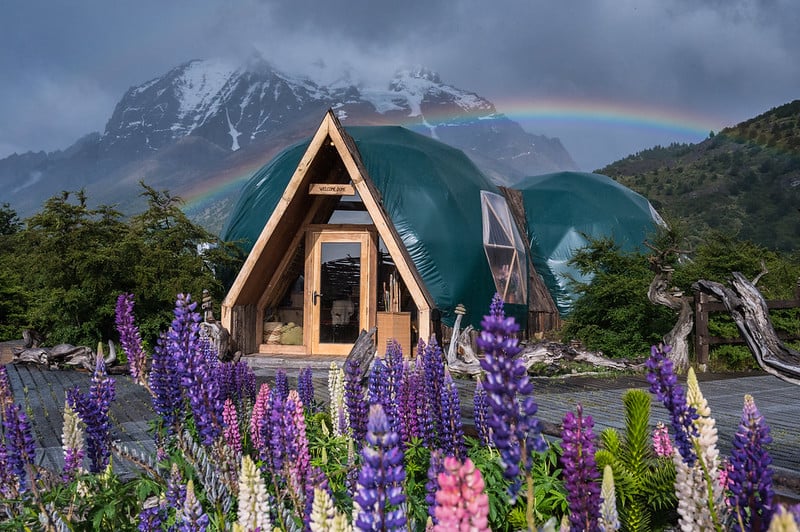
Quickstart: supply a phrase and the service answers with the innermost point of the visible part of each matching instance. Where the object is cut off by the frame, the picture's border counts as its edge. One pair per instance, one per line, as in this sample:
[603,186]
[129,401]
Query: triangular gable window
[504,248]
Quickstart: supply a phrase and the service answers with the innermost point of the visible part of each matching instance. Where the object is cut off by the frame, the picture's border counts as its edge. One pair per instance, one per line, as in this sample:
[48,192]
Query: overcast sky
[608,77]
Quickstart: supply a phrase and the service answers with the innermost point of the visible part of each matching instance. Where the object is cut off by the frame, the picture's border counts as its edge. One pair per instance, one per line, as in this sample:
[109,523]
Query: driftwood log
[749,311]
[553,353]
[662,292]
[461,358]
[363,352]
[65,354]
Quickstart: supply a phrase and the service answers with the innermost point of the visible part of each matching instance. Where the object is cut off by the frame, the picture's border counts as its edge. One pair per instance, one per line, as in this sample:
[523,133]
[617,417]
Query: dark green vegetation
[62,269]
[743,181]
[614,315]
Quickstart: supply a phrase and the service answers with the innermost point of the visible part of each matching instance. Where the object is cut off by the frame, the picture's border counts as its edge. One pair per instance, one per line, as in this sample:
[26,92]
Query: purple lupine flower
[165,386]
[435,467]
[190,516]
[580,471]
[130,339]
[750,477]
[176,489]
[281,384]
[452,436]
[196,369]
[9,483]
[481,413]
[433,365]
[305,389]
[20,447]
[289,457]
[6,395]
[233,438]
[516,432]
[664,385]
[203,391]
[395,367]
[408,404]
[356,403]
[152,518]
[379,392]
[93,410]
[379,499]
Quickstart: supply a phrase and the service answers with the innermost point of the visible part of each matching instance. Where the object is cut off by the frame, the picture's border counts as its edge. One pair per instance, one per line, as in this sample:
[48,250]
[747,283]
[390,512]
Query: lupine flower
[130,339]
[233,438]
[9,483]
[237,383]
[288,443]
[512,409]
[783,520]
[196,369]
[435,467]
[165,386]
[253,512]
[461,503]
[608,520]
[433,367]
[93,410]
[152,518]
[409,403]
[356,403]
[379,499]
[580,471]
[324,515]
[281,384]
[72,443]
[452,437]
[697,507]
[377,386]
[750,477]
[20,447]
[190,516]
[6,395]
[339,416]
[481,413]
[662,445]
[305,389]
[259,418]
[664,385]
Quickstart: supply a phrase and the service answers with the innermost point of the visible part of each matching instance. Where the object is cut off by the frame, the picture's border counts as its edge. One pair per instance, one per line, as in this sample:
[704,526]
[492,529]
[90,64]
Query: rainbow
[680,123]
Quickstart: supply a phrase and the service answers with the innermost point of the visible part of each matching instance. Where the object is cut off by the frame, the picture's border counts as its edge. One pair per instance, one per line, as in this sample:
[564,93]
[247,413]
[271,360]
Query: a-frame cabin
[326,273]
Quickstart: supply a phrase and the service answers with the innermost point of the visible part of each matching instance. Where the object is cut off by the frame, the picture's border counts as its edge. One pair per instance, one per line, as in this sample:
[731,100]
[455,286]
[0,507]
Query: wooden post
[701,329]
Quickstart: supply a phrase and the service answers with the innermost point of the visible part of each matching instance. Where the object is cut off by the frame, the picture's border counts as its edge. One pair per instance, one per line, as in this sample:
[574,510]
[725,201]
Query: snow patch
[233,132]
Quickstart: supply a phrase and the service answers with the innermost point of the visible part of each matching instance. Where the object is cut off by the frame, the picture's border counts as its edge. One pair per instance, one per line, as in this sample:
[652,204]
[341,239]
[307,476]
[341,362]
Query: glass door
[340,296]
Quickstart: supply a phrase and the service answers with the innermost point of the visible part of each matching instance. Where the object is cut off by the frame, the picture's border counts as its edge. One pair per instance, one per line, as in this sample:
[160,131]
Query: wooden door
[340,292]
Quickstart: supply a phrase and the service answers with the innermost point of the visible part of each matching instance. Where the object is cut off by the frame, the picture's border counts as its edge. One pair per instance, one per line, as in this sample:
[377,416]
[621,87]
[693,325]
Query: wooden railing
[705,304]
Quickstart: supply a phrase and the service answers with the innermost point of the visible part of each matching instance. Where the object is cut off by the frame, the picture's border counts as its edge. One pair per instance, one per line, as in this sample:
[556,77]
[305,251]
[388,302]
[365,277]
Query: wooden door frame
[367,236]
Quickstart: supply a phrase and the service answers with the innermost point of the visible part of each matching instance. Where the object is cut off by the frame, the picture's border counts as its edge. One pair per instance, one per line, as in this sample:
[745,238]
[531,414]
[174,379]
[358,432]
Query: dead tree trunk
[751,315]
[659,293]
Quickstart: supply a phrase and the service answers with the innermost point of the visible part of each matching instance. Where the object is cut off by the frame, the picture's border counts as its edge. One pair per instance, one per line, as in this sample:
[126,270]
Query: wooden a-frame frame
[260,276]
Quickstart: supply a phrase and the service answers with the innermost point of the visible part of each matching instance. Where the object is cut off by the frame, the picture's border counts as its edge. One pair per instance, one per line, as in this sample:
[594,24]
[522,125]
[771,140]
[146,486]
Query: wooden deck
[41,392]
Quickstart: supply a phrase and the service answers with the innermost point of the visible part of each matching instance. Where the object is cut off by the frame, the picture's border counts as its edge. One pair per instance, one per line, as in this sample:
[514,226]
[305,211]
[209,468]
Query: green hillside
[744,181]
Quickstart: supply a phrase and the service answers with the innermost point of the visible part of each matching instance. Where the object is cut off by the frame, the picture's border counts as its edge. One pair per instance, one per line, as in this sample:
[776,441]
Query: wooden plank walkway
[41,392]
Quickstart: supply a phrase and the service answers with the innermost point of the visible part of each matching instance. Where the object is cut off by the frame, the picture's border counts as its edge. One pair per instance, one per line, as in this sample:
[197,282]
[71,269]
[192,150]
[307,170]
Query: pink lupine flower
[258,417]
[662,445]
[461,503]
[231,432]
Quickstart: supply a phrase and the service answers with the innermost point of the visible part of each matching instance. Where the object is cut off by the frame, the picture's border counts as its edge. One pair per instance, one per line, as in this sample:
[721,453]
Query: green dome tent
[563,209]
[430,191]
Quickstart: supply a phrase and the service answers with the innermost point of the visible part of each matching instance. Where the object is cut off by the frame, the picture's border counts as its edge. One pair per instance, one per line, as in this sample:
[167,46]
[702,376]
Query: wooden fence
[705,305]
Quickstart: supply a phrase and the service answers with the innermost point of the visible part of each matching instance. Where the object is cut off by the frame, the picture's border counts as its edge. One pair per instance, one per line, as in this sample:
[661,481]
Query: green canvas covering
[563,208]
[430,191]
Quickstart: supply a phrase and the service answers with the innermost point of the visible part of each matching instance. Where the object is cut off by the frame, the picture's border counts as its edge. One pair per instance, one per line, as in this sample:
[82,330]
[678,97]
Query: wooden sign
[331,189]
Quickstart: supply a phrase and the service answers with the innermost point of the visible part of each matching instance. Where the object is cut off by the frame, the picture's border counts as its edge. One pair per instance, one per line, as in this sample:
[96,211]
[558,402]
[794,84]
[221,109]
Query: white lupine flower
[609,518]
[325,517]
[691,486]
[339,415]
[72,437]
[253,509]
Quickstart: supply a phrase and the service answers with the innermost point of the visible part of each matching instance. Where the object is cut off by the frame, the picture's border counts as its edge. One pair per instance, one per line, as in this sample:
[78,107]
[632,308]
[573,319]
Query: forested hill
[744,181]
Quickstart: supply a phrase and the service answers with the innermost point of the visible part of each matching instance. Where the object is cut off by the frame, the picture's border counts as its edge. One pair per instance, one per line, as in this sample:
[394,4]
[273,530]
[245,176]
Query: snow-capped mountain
[207,121]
